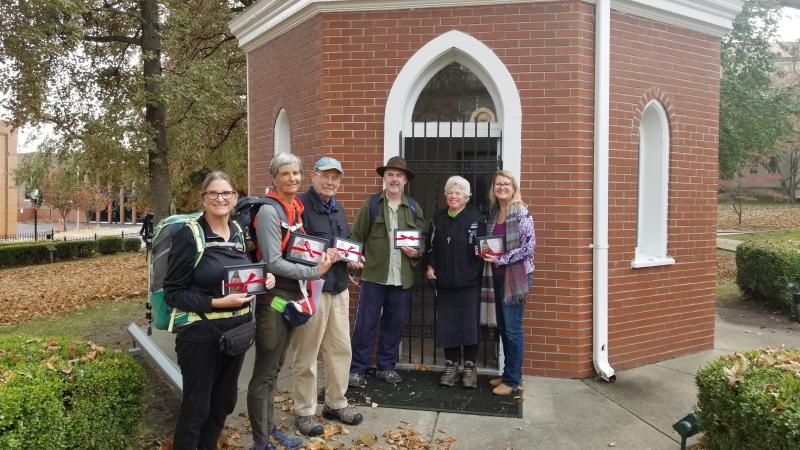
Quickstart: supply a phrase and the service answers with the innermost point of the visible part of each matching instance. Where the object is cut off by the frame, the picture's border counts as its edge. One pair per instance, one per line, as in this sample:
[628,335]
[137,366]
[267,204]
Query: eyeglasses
[502,185]
[226,195]
[330,178]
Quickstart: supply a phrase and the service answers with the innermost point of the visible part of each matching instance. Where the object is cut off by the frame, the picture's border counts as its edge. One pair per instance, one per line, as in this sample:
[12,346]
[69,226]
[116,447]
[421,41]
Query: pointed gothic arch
[455,46]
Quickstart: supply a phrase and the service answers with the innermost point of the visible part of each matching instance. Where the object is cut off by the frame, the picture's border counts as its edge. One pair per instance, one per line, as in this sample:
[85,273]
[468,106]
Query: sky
[29,139]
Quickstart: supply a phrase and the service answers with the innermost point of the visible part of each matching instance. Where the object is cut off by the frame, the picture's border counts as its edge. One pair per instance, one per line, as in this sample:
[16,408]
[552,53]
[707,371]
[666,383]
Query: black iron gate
[436,151]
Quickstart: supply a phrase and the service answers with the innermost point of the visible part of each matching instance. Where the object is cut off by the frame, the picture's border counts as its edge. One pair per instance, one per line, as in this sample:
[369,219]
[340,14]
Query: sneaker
[347,415]
[494,382]
[279,439]
[503,389]
[389,376]
[356,380]
[470,377]
[266,446]
[309,425]
[450,376]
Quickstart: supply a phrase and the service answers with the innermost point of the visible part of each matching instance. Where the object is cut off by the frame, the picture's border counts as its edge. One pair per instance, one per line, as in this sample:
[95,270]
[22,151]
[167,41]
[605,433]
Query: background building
[8,191]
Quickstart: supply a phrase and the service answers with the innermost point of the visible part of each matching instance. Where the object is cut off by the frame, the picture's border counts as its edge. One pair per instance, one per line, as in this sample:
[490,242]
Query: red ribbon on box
[251,279]
[491,253]
[403,237]
[307,249]
[351,249]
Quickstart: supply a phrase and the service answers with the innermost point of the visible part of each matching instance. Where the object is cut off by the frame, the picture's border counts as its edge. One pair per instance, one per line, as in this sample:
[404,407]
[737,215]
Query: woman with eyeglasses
[210,377]
[507,277]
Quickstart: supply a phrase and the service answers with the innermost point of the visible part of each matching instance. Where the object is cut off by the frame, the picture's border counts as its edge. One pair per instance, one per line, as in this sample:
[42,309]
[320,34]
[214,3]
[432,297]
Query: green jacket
[376,241]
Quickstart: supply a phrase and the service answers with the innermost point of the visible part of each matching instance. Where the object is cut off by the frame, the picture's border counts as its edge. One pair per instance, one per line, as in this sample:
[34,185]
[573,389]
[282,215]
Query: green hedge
[37,253]
[67,394]
[751,400]
[109,244]
[764,269]
[132,244]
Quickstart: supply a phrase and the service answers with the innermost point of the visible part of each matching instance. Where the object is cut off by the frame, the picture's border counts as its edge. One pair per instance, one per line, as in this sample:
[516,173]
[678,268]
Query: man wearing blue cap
[329,328]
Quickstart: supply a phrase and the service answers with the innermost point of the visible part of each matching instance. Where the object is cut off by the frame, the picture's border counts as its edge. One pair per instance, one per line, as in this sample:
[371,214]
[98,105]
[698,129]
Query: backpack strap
[374,206]
[283,220]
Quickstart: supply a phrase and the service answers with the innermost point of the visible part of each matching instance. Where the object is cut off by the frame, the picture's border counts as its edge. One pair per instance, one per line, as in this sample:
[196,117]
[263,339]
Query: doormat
[421,390]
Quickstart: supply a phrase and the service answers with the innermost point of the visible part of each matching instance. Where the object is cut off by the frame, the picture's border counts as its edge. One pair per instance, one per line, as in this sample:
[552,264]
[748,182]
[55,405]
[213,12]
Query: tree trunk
[160,189]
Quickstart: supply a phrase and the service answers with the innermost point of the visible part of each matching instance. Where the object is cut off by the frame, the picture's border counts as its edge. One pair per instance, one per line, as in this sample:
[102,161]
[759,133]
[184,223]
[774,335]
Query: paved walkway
[636,412]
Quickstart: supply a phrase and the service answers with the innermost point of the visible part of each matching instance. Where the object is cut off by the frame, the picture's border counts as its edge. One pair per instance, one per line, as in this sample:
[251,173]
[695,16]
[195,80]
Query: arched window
[454,94]
[651,237]
[283,134]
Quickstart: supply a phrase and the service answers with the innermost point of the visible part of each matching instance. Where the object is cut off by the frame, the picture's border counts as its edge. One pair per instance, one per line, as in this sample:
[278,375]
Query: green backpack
[161,315]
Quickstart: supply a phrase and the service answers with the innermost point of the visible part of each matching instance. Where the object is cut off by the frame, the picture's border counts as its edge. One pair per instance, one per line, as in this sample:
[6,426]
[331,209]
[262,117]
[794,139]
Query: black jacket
[191,288]
[317,221]
[451,245]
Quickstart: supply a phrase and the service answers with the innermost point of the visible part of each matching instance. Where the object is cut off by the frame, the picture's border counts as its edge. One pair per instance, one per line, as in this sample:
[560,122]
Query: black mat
[421,390]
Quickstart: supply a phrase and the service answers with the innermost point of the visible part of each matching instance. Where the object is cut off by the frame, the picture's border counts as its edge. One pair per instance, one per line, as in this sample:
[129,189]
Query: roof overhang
[268,19]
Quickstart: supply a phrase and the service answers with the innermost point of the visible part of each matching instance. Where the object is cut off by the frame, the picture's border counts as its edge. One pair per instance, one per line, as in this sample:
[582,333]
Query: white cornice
[268,19]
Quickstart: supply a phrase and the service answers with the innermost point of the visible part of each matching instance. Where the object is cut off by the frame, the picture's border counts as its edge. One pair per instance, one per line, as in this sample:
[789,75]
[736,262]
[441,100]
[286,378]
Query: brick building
[613,135]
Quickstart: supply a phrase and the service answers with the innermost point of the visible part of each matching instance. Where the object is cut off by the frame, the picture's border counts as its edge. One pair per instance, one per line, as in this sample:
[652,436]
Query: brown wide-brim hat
[396,162]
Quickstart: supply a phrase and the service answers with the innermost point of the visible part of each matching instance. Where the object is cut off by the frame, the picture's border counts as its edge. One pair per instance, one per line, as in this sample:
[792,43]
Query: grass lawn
[780,235]
[79,323]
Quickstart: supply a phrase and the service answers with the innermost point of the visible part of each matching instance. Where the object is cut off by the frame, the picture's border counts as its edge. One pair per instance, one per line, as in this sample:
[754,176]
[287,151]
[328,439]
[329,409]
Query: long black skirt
[457,317]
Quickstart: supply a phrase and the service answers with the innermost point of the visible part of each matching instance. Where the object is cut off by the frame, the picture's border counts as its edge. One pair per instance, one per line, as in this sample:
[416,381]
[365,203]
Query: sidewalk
[636,412]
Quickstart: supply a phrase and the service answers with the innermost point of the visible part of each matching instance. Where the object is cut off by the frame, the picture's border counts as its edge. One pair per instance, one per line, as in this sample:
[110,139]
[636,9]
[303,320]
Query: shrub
[75,249]
[109,244]
[63,394]
[750,400]
[764,269]
[24,254]
[132,244]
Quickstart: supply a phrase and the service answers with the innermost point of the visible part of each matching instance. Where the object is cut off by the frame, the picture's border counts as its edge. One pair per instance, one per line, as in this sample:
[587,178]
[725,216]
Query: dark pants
[509,325]
[210,389]
[390,305]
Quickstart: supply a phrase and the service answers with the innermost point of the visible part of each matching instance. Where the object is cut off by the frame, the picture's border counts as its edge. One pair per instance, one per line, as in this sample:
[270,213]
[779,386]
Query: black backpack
[245,214]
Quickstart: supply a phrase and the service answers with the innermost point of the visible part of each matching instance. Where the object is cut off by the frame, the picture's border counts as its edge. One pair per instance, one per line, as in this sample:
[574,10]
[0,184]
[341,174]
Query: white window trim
[642,259]
[455,46]
[283,134]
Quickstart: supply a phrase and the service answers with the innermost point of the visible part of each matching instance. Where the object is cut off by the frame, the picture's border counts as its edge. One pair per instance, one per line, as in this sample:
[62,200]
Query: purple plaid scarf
[515,283]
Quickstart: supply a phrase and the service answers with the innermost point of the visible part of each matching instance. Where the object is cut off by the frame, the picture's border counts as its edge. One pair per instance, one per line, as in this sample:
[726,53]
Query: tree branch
[114,38]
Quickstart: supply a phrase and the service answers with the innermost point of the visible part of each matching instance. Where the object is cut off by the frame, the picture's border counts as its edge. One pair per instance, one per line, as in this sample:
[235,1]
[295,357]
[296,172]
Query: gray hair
[458,182]
[282,159]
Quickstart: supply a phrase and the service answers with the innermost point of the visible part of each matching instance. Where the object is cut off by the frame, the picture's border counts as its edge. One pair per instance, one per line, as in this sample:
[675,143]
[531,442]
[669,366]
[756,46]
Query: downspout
[600,245]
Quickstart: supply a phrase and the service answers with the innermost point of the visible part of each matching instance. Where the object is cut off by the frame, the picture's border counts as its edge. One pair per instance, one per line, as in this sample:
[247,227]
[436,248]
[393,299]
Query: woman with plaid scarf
[507,278]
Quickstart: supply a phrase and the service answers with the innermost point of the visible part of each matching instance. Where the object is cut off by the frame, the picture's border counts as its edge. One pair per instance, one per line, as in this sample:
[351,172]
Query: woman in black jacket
[210,377]
[455,267]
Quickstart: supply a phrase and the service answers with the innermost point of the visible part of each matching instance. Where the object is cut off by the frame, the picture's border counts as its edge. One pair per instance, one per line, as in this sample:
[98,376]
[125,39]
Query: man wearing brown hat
[387,275]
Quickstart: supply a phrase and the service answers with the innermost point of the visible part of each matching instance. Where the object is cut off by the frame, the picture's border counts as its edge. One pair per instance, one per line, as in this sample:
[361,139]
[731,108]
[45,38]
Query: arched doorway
[452,110]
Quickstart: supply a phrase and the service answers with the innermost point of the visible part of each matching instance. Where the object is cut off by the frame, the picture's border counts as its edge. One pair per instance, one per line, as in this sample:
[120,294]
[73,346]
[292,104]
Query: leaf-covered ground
[42,291]
[759,217]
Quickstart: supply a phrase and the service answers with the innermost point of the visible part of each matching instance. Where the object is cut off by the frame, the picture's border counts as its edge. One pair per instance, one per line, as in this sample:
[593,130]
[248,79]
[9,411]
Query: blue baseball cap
[328,163]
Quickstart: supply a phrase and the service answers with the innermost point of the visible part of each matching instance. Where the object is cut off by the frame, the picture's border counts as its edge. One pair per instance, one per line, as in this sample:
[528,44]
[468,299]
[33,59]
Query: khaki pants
[328,332]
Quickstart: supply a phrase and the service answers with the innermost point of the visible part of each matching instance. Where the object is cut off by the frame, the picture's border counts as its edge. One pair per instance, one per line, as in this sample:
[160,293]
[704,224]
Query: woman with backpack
[210,376]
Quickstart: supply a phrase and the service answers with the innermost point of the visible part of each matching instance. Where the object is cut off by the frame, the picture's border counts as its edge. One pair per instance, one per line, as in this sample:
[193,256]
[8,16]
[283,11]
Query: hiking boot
[309,425]
[450,375]
[389,376]
[494,382]
[469,379]
[347,415]
[356,380]
[503,389]
[279,439]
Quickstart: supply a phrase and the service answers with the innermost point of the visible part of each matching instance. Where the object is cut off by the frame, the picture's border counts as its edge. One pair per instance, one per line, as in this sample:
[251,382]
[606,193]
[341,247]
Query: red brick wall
[285,74]
[662,312]
[351,61]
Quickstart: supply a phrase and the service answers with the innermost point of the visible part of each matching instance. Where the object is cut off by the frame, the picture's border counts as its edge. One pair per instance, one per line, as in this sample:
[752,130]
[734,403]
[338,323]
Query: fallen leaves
[735,373]
[42,291]
[758,217]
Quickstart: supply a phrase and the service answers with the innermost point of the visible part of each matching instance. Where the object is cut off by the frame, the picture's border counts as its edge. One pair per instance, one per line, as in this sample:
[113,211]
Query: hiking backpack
[160,315]
[245,214]
[374,201]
